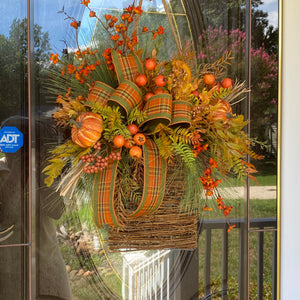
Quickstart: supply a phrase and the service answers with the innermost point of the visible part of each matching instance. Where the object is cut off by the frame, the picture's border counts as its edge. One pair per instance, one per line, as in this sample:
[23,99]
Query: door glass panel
[219,30]
[264,126]
[13,158]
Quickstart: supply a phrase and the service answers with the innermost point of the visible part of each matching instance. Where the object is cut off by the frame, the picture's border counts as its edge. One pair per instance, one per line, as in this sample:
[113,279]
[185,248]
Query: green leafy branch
[185,152]
[136,115]
[222,93]
[113,120]
[61,156]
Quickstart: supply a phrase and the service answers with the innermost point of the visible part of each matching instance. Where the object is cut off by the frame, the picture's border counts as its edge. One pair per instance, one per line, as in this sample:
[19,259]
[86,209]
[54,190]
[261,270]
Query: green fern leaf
[186,154]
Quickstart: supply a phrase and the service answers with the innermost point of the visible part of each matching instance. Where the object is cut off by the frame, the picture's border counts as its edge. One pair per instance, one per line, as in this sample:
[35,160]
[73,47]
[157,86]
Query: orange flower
[71,69]
[85,2]
[115,37]
[198,148]
[63,71]
[160,30]
[230,227]
[207,172]
[54,58]
[207,208]
[227,210]
[75,24]
[125,16]
[111,24]
[114,19]
[217,181]
[107,53]
[107,17]
[212,163]
[77,76]
[129,8]
[92,14]
[86,71]
[120,43]
[137,10]
[111,67]
[121,27]
[134,40]
[145,29]
[80,98]
[220,203]
[69,92]
[209,193]
[78,54]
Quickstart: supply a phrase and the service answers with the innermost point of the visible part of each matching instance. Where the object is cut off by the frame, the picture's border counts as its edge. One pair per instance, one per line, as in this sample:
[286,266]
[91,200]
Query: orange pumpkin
[87,129]
[222,108]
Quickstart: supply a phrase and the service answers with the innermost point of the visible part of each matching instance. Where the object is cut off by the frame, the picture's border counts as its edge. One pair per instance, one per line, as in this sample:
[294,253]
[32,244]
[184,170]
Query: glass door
[50,243]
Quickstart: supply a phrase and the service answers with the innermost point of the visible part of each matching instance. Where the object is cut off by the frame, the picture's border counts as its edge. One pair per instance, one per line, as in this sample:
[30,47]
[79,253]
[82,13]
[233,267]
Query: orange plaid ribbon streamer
[155,169]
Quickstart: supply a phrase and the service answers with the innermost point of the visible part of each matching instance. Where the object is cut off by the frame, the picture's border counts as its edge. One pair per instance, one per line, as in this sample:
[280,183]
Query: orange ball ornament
[128,144]
[139,139]
[148,96]
[141,80]
[118,141]
[160,91]
[209,79]
[227,83]
[135,152]
[160,80]
[133,129]
[150,64]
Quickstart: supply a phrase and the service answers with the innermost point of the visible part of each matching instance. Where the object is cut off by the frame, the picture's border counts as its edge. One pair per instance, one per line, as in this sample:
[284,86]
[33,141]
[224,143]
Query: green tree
[14,68]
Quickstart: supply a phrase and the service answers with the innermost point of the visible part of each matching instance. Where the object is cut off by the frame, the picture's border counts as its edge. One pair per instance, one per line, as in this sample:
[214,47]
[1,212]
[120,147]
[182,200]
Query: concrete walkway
[256,192]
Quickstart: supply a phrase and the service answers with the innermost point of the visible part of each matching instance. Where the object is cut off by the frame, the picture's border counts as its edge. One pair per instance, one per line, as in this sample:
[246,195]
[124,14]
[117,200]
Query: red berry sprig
[97,146]
[114,156]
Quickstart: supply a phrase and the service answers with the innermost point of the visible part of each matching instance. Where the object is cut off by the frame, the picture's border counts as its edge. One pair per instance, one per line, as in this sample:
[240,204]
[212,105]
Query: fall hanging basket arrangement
[150,140]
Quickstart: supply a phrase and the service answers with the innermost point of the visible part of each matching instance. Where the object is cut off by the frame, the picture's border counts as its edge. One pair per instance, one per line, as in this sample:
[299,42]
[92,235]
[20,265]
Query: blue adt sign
[11,139]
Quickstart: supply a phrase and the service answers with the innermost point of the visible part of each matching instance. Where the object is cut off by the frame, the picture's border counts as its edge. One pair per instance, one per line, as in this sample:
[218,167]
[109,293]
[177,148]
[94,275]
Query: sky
[271,6]
[46,15]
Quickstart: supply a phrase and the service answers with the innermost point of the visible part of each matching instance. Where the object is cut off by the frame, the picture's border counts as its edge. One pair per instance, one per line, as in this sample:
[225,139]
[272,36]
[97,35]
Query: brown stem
[77,124]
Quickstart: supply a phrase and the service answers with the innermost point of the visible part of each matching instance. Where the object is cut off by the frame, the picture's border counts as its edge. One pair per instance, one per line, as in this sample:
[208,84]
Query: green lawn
[265,176]
[258,209]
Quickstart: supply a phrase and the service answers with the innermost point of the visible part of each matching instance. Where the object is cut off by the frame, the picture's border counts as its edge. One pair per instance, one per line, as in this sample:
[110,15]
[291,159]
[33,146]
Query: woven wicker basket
[167,228]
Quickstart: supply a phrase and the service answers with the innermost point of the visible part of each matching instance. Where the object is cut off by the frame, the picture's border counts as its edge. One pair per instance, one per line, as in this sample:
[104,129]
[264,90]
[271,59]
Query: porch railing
[260,226]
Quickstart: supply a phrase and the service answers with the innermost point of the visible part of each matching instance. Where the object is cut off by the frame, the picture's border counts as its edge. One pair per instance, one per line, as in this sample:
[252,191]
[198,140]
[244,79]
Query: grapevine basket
[169,227]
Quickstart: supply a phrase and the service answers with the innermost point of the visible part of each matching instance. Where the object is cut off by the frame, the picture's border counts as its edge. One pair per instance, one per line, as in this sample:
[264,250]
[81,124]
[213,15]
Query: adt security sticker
[11,139]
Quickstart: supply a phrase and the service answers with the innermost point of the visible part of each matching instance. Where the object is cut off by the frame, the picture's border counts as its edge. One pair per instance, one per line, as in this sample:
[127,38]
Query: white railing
[145,274]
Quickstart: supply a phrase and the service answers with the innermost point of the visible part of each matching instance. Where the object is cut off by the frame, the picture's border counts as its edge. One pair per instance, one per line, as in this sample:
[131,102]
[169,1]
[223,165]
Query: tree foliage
[14,71]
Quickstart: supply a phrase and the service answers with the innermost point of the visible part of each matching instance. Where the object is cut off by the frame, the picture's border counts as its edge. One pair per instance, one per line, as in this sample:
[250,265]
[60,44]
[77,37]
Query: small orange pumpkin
[87,129]
[222,109]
